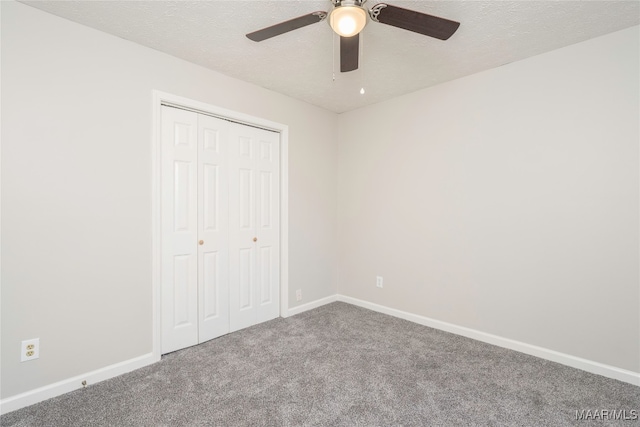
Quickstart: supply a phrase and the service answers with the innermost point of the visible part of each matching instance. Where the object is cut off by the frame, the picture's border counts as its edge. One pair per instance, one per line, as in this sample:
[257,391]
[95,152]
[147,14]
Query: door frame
[158,98]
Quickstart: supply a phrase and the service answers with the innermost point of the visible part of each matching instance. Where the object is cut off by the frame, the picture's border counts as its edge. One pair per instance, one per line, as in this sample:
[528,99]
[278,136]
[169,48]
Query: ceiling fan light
[347,21]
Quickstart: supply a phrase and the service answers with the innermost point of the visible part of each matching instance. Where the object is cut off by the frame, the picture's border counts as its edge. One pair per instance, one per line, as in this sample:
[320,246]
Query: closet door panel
[213,228]
[267,226]
[242,227]
[179,212]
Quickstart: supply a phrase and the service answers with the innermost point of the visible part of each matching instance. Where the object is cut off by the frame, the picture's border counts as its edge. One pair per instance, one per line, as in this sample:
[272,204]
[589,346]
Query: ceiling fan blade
[349,52]
[411,20]
[286,26]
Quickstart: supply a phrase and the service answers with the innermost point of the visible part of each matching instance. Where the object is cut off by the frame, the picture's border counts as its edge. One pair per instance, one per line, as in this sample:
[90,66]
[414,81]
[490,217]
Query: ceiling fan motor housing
[337,3]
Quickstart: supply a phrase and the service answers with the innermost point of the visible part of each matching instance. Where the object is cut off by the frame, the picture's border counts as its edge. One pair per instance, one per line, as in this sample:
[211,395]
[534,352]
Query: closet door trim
[162,98]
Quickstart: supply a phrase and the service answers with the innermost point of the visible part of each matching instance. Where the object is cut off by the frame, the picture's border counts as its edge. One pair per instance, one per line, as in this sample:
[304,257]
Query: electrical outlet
[379,281]
[30,349]
[299,295]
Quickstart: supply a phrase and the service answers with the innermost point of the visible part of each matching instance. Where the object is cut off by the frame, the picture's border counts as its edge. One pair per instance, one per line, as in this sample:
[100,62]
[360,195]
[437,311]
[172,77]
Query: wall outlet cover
[30,349]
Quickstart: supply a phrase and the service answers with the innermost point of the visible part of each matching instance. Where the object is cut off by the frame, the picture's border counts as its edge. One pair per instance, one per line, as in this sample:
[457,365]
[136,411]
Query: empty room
[317,212]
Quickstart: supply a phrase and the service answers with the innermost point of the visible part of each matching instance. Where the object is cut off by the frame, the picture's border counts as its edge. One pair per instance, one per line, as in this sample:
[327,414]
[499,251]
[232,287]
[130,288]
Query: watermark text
[607,414]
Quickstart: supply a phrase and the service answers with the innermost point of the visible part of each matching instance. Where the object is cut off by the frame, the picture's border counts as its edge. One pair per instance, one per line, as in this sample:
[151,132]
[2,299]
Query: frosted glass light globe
[347,21]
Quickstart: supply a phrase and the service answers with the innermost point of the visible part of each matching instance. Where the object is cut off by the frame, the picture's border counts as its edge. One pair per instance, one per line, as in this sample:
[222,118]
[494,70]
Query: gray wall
[76,191]
[505,202]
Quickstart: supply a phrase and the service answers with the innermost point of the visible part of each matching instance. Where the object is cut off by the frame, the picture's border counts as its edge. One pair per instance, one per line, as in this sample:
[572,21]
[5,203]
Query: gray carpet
[339,365]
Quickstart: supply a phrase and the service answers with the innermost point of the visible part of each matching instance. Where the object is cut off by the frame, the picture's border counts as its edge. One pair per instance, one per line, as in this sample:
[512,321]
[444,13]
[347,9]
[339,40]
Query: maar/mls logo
[605,414]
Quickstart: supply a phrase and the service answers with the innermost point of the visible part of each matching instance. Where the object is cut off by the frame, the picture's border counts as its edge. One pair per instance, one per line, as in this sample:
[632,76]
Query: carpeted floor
[340,365]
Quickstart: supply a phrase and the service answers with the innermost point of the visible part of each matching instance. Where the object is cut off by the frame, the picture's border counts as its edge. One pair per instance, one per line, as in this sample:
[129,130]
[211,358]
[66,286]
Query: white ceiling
[393,62]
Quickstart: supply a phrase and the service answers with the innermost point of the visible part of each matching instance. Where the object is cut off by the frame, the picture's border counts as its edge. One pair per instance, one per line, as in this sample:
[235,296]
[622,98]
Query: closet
[220,227]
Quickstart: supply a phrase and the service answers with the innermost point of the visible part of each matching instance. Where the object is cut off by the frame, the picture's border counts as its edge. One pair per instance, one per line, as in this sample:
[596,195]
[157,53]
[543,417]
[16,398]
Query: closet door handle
[201,242]
[255,239]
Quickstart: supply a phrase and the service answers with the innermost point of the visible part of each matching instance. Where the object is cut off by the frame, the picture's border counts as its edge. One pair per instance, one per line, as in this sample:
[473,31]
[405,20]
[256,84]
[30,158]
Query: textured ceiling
[301,63]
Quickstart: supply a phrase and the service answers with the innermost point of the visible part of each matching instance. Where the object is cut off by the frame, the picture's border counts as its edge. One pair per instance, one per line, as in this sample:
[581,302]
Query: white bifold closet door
[220,227]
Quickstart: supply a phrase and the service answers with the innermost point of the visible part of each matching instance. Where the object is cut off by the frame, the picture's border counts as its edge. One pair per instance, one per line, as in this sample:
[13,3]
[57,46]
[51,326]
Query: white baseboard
[43,393]
[52,390]
[311,305]
[543,353]
[65,386]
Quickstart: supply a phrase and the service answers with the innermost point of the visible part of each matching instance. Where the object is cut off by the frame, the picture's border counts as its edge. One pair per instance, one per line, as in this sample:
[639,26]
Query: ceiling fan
[348,17]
